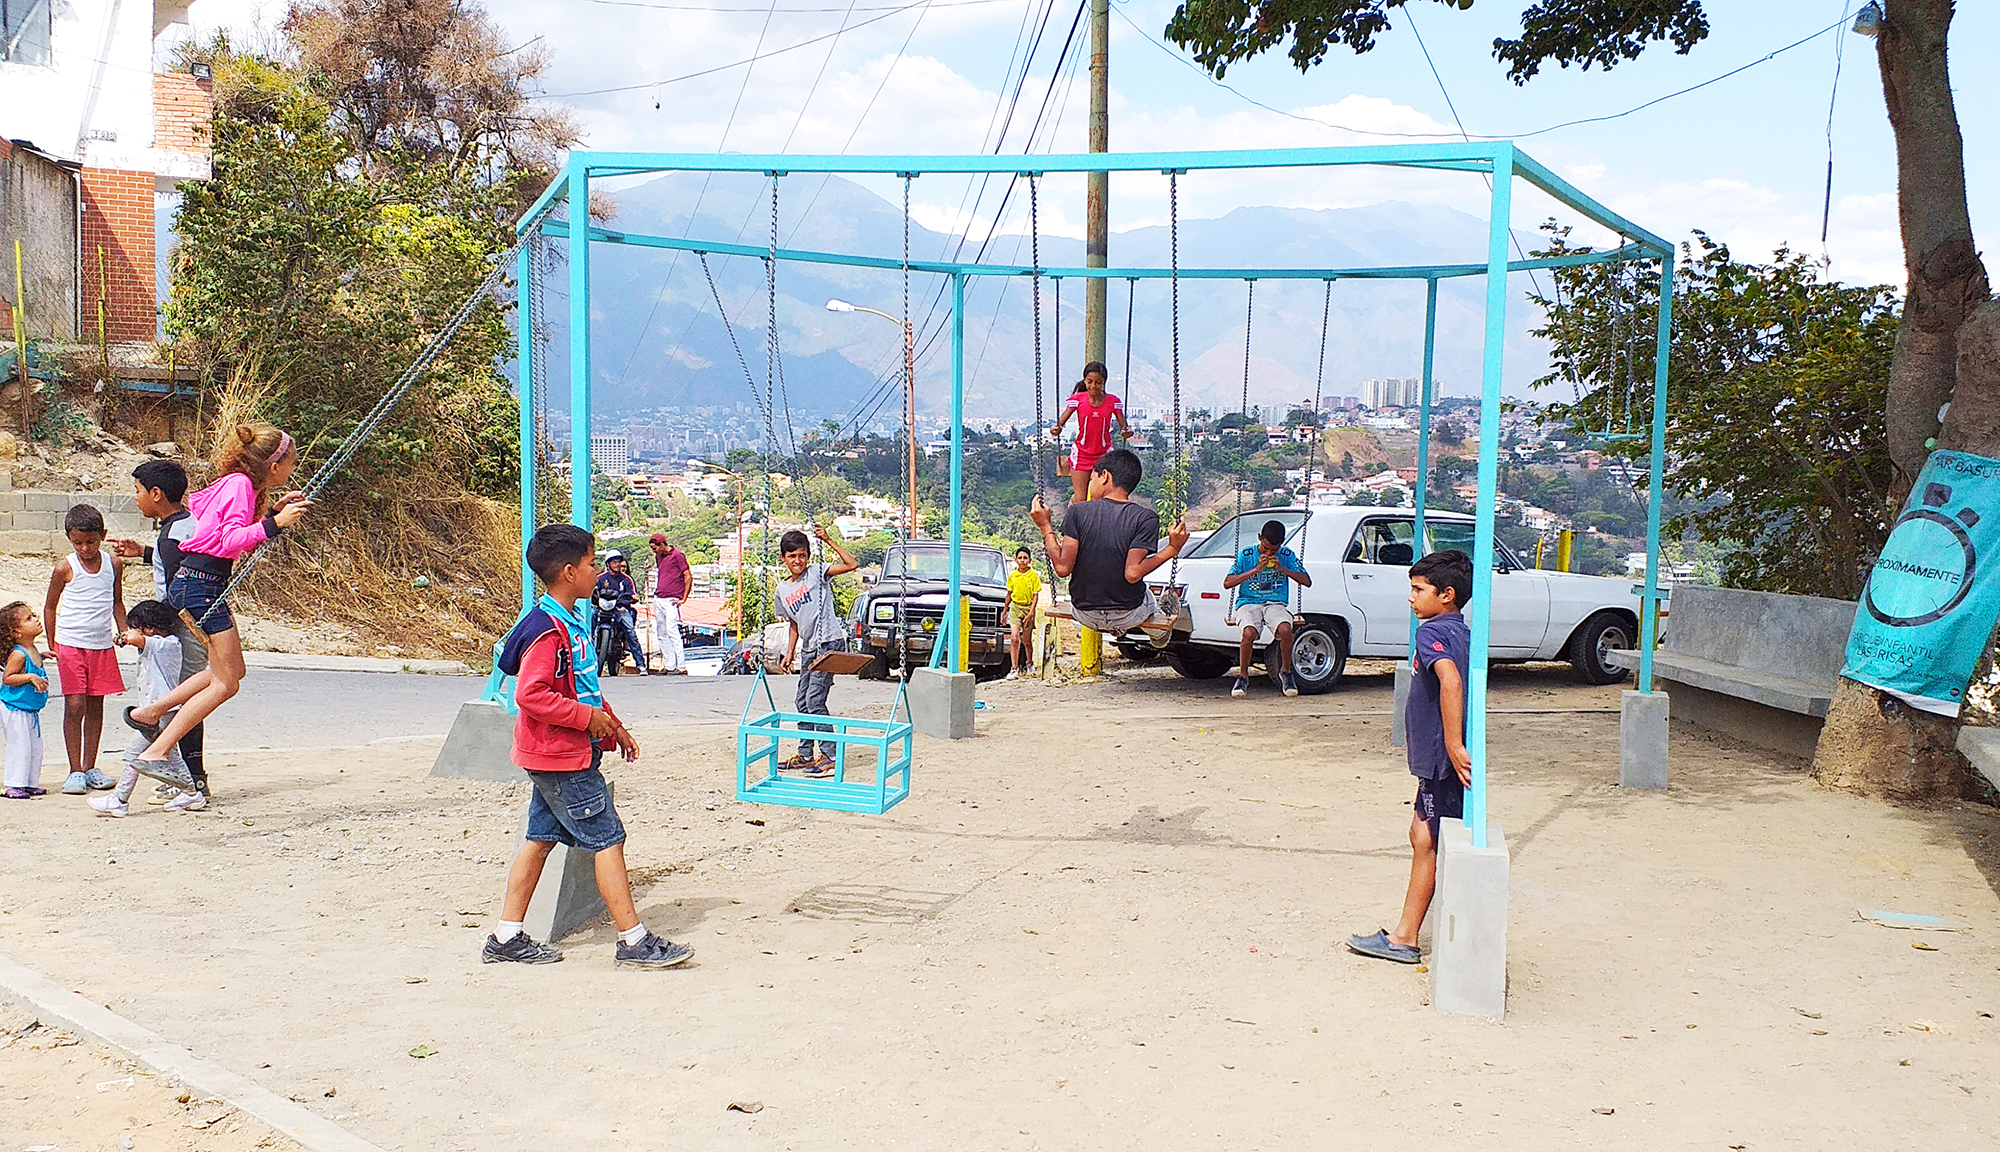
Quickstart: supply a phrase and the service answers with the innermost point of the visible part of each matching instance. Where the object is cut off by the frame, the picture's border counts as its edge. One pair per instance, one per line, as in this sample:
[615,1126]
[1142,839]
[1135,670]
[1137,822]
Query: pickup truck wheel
[1590,648]
[1199,663]
[1319,656]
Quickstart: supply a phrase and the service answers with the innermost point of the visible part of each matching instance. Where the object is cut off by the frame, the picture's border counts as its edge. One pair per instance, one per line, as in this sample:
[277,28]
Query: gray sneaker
[1241,686]
[171,772]
[1290,684]
[522,949]
[651,952]
[97,779]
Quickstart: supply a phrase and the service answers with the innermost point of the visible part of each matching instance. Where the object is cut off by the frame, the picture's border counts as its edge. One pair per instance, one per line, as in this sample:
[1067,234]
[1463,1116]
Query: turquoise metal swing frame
[1501,161]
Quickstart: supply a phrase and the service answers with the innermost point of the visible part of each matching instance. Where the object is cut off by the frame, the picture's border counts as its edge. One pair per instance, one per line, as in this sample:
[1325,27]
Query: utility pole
[1097,238]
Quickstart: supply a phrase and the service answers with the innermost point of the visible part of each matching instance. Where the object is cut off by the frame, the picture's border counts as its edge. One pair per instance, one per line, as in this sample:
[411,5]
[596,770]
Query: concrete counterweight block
[941,703]
[1469,923]
[1642,740]
[480,745]
[566,897]
[1397,737]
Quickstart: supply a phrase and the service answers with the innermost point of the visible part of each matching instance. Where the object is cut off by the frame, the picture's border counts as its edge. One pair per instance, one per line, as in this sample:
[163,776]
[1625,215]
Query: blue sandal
[1382,948]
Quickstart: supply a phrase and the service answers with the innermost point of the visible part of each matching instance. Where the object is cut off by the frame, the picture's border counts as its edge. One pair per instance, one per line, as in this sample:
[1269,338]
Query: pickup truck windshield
[981,567]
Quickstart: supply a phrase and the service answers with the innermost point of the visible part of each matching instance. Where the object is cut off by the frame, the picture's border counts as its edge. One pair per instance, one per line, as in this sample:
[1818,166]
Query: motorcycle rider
[617,589]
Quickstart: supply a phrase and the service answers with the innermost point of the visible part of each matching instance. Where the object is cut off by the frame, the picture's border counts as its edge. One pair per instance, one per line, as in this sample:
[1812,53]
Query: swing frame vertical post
[524,361]
[1481,617]
[954,606]
[1649,596]
[578,181]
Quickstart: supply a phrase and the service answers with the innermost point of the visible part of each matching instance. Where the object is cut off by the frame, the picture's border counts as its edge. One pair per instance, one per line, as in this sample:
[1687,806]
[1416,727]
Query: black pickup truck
[903,610]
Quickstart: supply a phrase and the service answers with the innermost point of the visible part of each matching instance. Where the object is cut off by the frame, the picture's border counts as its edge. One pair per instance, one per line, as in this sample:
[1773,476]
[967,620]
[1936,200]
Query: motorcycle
[605,633]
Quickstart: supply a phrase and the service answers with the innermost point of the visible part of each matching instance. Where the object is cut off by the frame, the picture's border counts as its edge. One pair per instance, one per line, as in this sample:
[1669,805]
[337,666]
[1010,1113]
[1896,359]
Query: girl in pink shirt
[235,515]
[1096,412]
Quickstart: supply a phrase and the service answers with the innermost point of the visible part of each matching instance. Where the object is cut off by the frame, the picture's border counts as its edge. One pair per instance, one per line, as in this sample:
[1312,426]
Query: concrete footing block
[566,897]
[1397,737]
[1469,923]
[480,745]
[941,703]
[1642,740]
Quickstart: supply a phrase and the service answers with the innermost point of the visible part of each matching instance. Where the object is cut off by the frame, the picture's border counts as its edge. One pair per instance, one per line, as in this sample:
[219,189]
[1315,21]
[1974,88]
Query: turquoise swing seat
[757,740]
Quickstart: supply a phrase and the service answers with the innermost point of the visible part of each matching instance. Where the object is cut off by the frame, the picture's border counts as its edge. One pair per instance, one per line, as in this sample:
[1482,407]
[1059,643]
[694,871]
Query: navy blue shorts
[200,593]
[574,808]
[1437,799]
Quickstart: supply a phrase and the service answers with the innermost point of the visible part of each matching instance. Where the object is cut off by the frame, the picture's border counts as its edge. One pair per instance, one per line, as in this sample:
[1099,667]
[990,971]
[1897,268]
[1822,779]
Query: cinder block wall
[31,523]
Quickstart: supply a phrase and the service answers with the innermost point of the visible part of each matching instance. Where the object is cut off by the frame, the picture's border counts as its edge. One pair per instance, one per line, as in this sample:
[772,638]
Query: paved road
[291,709]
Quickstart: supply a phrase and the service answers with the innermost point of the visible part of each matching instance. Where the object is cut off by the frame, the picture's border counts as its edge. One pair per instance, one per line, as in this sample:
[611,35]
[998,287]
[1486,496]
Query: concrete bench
[1981,749]
[1757,666]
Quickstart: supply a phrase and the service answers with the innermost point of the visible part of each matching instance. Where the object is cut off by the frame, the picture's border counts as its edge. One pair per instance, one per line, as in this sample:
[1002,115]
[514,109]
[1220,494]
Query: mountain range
[659,343]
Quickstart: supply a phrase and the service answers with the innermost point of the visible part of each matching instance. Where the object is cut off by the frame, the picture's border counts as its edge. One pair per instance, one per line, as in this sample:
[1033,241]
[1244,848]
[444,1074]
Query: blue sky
[1744,159]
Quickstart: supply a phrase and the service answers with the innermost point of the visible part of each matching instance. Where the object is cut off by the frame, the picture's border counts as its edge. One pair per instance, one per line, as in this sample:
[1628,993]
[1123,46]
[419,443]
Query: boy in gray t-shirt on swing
[806,600]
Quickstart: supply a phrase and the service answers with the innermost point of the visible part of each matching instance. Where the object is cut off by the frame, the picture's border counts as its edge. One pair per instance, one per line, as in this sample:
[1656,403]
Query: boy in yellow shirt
[1024,592]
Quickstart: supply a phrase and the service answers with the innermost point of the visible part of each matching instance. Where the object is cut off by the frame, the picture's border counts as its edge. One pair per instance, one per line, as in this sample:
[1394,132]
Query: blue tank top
[25,697]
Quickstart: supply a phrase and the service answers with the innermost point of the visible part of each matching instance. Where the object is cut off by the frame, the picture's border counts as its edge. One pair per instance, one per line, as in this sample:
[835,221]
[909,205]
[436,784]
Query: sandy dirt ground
[1111,921]
[59,1094]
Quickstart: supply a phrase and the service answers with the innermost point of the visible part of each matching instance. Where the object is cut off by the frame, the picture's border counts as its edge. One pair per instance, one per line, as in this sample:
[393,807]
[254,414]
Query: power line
[735,63]
[1232,90]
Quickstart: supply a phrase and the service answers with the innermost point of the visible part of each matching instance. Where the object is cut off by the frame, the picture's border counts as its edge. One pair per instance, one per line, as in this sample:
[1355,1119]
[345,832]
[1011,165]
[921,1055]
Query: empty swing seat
[758,739]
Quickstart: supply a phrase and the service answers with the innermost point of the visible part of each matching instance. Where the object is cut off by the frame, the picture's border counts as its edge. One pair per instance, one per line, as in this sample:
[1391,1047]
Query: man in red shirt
[672,579]
[1096,412]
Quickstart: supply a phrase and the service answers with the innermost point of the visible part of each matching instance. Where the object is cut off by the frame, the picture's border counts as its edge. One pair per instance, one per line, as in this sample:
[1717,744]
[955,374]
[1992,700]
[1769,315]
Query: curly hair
[254,450]
[10,619]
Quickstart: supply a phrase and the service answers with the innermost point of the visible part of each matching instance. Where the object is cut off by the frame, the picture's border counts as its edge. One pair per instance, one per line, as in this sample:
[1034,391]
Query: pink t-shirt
[1094,423]
[227,513]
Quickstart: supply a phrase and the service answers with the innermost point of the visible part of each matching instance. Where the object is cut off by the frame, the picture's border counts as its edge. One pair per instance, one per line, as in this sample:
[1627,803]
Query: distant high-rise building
[610,453]
[1393,392]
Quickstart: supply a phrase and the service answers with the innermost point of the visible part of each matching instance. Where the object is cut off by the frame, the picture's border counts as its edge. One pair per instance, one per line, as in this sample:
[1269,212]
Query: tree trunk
[1946,279]
[1872,743]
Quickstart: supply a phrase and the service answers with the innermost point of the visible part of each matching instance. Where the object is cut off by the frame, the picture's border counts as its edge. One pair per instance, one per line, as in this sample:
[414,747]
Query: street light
[909,399]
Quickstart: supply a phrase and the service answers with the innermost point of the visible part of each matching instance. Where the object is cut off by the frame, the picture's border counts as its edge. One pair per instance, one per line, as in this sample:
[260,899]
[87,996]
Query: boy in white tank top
[88,608]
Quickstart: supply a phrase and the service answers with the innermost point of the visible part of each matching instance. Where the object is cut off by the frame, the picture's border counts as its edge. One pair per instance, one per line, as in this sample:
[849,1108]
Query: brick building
[80,94]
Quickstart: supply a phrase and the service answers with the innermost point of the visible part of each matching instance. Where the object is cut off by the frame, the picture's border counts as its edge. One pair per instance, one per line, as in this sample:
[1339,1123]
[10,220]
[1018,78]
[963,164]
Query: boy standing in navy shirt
[1434,721]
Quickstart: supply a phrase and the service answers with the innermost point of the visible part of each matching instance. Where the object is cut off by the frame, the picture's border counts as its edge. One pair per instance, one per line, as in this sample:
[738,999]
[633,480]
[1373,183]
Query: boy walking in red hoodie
[560,737]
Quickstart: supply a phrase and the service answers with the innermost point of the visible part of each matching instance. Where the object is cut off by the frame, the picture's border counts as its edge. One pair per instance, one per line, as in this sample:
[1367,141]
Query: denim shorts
[200,593]
[574,808]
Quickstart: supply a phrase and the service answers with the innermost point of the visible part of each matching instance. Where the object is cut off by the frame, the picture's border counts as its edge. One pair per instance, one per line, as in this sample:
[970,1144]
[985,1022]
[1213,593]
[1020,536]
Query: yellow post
[103,336]
[1565,549]
[964,636]
[1538,551]
[21,340]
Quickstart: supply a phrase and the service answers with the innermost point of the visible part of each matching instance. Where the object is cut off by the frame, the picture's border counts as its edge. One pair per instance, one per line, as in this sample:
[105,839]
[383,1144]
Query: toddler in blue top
[24,689]
[1434,722]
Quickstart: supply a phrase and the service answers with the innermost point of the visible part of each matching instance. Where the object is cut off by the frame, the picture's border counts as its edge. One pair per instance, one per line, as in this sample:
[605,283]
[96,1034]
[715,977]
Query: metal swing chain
[375,416]
[1035,274]
[1243,472]
[1131,290]
[1177,480]
[1319,434]
[909,386]
[538,368]
[756,393]
[770,429]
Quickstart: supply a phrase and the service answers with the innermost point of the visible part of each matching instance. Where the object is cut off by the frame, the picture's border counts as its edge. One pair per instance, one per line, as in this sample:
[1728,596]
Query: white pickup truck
[1359,559]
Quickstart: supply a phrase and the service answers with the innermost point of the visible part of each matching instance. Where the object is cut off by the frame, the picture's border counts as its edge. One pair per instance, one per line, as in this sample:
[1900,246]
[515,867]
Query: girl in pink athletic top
[235,514]
[1096,412]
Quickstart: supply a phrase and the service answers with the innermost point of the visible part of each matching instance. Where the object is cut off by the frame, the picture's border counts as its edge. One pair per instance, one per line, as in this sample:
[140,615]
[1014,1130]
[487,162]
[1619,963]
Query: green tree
[1801,501]
[1943,387]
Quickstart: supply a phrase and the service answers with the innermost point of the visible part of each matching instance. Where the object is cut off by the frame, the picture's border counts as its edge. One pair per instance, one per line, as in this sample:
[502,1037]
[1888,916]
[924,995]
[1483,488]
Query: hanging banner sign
[1931,600]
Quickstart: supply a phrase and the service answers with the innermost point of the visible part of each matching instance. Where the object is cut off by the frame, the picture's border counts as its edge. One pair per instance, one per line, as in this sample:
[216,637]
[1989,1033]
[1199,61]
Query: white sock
[508,930]
[634,934]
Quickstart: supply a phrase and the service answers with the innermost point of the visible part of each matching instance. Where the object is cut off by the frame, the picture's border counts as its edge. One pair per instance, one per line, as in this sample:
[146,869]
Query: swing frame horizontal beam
[1500,160]
[945,268]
